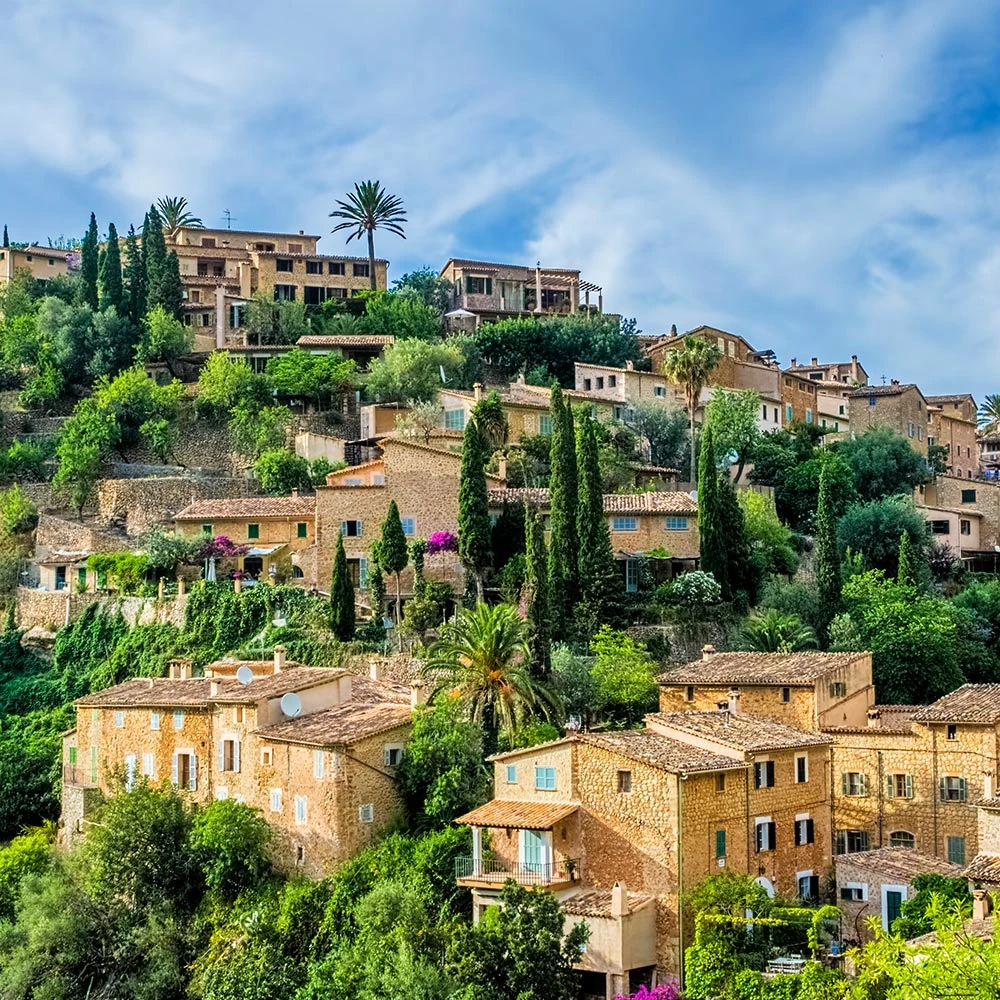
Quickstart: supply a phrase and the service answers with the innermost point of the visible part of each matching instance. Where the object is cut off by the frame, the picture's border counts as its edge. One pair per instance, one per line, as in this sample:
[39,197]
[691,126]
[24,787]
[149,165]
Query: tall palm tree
[989,412]
[174,213]
[690,366]
[369,207]
[774,632]
[483,656]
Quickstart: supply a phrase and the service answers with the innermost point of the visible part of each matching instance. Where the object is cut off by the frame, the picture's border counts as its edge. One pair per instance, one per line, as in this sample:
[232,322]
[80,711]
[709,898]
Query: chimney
[302,232]
[375,671]
[630,366]
[982,905]
[987,784]
[418,696]
[619,900]
[295,492]
[734,701]
[279,659]
[502,467]
[477,391]
[815,362]
[874,715]
[707,651]
[213,689]
[791,364]
[520,379]
[149,683]
[894,381]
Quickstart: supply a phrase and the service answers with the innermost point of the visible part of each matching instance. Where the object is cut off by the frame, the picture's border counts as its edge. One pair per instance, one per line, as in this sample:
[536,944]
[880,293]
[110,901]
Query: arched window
[900,838]
[297,572]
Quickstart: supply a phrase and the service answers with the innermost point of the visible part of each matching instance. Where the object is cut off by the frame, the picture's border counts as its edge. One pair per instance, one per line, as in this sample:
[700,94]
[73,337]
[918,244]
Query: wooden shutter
[760,836]
[771,836]
[361,528]
[720,843]
[798,832]
[862,784]
[963,789]
[222,755]
[810,831]
[770,773]
[236,755]
[890,786]
[908,781]
[813,885]
[943,790]
[174,767]
[193,782]
[844,786]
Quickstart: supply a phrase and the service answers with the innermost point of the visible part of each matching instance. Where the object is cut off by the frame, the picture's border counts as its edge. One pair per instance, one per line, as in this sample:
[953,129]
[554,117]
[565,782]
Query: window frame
[618,522]
[542,779]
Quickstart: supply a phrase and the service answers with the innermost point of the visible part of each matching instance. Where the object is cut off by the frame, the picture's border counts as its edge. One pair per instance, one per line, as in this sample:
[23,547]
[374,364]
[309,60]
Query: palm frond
[173,211]
[369,207]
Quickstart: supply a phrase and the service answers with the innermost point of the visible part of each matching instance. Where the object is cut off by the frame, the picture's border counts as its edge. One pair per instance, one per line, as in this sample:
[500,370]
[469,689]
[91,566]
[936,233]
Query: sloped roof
[975,704]
[338,726]
[660,751]
[345,340]
[900,862]
[597,902]
[759,668]
[882,390]
[250,508]
[519,815]
[983,868]
[742,732]
[661,502]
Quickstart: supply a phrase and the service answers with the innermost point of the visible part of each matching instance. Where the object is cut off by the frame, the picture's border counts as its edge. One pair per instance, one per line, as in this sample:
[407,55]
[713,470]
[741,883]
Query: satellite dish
[693,494]
[244,675]
[279,620]
[291,704]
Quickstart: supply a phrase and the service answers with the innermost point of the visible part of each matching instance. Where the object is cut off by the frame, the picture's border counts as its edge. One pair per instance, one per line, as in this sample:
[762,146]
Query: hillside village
[445,635]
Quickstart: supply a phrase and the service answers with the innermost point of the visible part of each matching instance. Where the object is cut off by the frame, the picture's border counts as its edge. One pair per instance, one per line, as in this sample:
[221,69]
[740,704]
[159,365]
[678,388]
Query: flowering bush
[442,541]
[663,991]
[696,588]
[222,546]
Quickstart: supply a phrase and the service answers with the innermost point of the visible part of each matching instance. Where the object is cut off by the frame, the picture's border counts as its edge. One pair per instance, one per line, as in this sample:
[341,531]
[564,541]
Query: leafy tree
[18,512]
[369,207]
[160,436]
[321,378]
[691,366]
[6,240]
[269,321]
[442,773]
[171,290]
[400,315]
[873,529]
[711,527]
[135,278]
[743,572]
[83,441]
[255,430]
[376,590]
[664,432]
[931,892]
[393,554]
[174,213]
[421,420]
[229,842]
[111,274]
[473,507]
[28,854]
[538,612]
[563,545]
[429,285]
[166,551]
[769,541]
[733,416]
[883,463]
[774,632]
[163,338]
[113,343]
[910,568]
[573,679]
[131,399]
[88,264]
[624,674]
[226,381]
[797,495]
[67,337]
[410,371]
[491,420]
[280,471]
[341,595]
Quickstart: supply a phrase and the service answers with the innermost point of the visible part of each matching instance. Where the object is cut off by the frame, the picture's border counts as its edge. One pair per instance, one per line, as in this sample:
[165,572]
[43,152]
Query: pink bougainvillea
[664,991]
[442,541]
[221,547]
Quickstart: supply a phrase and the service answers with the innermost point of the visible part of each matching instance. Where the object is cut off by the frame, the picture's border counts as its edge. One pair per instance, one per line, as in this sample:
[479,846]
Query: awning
[520,815]
[265,550]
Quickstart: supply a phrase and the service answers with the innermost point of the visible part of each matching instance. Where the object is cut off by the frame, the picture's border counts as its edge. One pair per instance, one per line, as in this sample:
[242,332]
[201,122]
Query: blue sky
[821,178]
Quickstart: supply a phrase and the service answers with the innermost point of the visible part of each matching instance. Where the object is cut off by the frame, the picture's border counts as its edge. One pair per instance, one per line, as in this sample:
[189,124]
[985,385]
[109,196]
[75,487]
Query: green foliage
[88,264]
[624,675]
[883,464]
[403,315]
[229,842]
[664,434]
[165,551]
[696,589]
[320,378]
[425,282]
[84,439]
[132,399]
[827,554]
[280,471]
[225,382]
[473,507]
[28,854]
[341,595]
[916,913]
[66,338]
[114,337]
[426,609]
[18,512]
[126,570]
[770,542]
[410,371]
[134,278]
[393,554]
[163,337]
[111,290]
[711,523]
[268,321]
[691,366]
[774,632]
[563,504]
[573,680]
[733,416]
[257,429]
[873,530]
[538,613]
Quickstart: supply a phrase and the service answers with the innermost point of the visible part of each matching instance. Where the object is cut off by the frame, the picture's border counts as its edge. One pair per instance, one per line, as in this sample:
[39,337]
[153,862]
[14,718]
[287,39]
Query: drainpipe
[680,875]
[881,797]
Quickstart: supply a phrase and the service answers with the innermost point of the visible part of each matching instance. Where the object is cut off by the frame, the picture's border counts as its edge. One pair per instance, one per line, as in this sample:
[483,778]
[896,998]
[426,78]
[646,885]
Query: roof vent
[708,650]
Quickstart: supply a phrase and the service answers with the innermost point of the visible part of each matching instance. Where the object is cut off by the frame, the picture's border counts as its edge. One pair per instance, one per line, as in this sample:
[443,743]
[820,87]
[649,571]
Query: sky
[820,178]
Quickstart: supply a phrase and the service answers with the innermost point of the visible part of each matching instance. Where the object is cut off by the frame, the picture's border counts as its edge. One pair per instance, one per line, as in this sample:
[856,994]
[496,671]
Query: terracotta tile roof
[345,340]
[742,732]
[316,256]
[759,668]
[955,397]
[660,751]
[519,815]
[900,862]
[339,726]
[977,704]
[993,803]
[597,902]
[663,502]
[882,390]
[985,930]
[463,262]
[207,279]
[983,868]
[250,508]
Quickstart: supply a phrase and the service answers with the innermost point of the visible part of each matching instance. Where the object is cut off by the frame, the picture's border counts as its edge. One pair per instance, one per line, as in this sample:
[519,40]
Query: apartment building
[952,424]
[799,398]
[831,373]
[900,407]
[314,749]
[43,263]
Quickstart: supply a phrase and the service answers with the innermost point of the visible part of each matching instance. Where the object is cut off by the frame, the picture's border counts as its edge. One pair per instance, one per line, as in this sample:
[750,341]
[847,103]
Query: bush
[696,589]
[279,472]
[229,842]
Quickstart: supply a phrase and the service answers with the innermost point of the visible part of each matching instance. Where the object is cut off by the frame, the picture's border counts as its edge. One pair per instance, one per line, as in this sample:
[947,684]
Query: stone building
[952,425]
[42,263]
[977,504]
[834,381]
[901,408]
[313,748]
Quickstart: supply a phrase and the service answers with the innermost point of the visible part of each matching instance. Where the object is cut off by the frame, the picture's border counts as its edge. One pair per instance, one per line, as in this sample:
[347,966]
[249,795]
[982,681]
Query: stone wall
[55,534]
[51,610]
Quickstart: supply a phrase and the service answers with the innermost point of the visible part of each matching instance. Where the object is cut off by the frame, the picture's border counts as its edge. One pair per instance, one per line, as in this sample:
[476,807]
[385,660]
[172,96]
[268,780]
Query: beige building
[901,408]
[835,381]
[952,425]
[42,262]
[314,749]
[951,498]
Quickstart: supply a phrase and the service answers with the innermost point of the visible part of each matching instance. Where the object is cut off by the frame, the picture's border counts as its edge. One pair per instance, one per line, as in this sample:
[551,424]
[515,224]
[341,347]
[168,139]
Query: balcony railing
[494,870]
[74,775]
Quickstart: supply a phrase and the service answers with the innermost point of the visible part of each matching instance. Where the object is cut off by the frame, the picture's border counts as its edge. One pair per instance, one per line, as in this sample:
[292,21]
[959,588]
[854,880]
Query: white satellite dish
[693,494]
[244,675]
[291,704]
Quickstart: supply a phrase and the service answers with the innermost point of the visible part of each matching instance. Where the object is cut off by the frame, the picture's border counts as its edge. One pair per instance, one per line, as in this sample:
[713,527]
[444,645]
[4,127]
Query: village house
[835,381]
[42,263]
[313,748]
[62,548]
[362,349]
[900,407]
[971,513]
[952,426]
[799,398]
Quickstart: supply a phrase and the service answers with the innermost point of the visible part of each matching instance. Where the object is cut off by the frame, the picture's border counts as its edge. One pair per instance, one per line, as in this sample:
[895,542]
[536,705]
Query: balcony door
[535,852]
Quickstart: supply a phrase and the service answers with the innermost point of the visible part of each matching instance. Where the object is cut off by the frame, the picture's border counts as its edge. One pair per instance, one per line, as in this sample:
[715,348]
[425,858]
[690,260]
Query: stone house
[362,349]
[952,423]
[901,408]
[280,532]
[877,883]
[834,381]
[42,262]
[62,548]
[848,373]
[799,398]
[313,748]
[978,501]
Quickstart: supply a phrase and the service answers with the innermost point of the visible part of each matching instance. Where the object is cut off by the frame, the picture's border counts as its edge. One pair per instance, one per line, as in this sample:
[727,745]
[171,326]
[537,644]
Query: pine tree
[473,507]
[908,572]
[711,529]
[393,554]
[537,587]
[171,292]
[341,595]
[135,278]
[826,555]
[88,264]
[6,240]
[111,274]
[563,546]
[599,582]
[154,256]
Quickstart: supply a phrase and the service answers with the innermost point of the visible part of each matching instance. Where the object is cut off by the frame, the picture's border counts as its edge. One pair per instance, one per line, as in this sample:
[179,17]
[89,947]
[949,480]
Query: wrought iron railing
[74,775]
[527,873]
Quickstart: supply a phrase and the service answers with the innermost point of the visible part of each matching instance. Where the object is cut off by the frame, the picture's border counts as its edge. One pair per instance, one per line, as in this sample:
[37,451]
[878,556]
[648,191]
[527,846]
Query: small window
[361,271]
[300,809]
[763,774]
[677,524]
[720,843]
[624,782]
[295,248]
[965,527]
[512,774]
[805,831]
[871,400]
[454,420]
[392,756]
[119,720]
[366,813]
[808,886]
[319,764]
[612,381]
[840,411]
[899,786]
[625,524]
[276,800]
[659,390]
[314,267]
[283,264]
[786,695]
[409,526]
[689,693]
[351,529]
[956,850]
[149,765]
[545,424]
[909,430]
[801,768]
[545,778]
[206,529]
[838,689]
[600,381]
[266,756]
[586,384]
[968,496]
[178,720]
[302,530]
[284,293]
[902,838]
[208,241]
[809,416]
[854,783]
[253,531]
[940,528]
[954,789]
[300,854]
[952,732]
[239,714]
[335,267]
[788,412]
[852,892]
[720,781]
[72,750]
[765,835]
[631,576]
[851,841]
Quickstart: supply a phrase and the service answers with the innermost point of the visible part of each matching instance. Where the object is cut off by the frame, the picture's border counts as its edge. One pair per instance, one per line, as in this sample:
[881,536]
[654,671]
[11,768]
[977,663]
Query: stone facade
[965,498]
[42,262]
[952,424]
[799,399]
[901,408]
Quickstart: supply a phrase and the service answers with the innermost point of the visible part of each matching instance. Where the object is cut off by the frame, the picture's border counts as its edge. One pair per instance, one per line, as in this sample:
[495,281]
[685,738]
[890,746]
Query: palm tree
[690,366]
[174,213]
[369,207]
[774,632]
[989,412]
[483,656]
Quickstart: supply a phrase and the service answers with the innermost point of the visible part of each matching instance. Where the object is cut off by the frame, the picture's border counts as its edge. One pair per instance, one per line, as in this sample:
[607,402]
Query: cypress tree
[599,586]
[473,507]
[908,571]
[6,241]
[743,580]
[111,274]
[154,256]
[393,554]
[537,580]
[827,556]
[135,278]
[88,264]
[341,595]
[563,546]
[171,290]
[711,528]
[376,586]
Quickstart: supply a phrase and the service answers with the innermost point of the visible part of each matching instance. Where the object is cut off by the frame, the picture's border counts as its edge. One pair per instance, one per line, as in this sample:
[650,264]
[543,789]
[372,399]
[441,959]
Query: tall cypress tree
[135,278]
[6,240]
[393,555]
[537,580]
[154,255]
[341,595]
[908,569]
[473,506]
[743,579]
[88,264]
[563,546]
[711,526]
[171,290]
[599,583]
[111,274]
[827,556]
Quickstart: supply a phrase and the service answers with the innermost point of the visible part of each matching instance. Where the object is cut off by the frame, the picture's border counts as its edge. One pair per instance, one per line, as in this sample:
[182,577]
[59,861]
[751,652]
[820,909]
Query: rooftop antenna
[228,216]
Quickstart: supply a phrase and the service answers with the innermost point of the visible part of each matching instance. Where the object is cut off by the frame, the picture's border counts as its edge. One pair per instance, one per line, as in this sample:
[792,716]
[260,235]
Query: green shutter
[862,784]
[844,787]
[890,786]
[302,529]
[943,790]
[720,843]
[963,790]
[909,786]
[253,531]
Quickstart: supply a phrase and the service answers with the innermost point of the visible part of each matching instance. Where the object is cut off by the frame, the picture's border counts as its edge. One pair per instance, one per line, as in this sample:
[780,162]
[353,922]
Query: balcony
[494,871]
[74,775]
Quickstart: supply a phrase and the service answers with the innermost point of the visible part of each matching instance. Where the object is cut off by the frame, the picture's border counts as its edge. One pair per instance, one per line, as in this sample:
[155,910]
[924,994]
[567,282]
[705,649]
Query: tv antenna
[228,216]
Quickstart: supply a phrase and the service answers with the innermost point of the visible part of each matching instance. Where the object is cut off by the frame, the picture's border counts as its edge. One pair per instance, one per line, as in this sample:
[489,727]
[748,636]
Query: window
[765,834]
[266,756]
[954,789]
[206,529]
[631,576]
[952,732]
[624,524]
[786,695]
[854,892]
[965,527]
[119,720]
[545,778]
[276,800]
[454,420]
[351,529]
[788,412]
[229,755]
[360,271]
[208,241]
[284,293]
[72,750]
[763,413]
[731,345]
[720,781]
[625,782]
[801,768]
[362,573]
[366,813]
[253,531]
[545,424]
[689,693]
[319,764]
[805,831]
[195,295]
[284,265]
[612,381]
[763,774]
[93,765]
[720,843]
[295,248]
[409,525]
[722,345]
[300,809]
[920,432]
[968,496]
[840,410]
[659,390]
[871,400]
[899,786]
[902,838]
[854,783]
[600,381]
[940,528]
[178,720]
[392,755]
[336,292]
[300,854]
[909,429]
[809,416]
[314,267]
[149,765]
[184,771]
[677,524]
[851,841]
[956,850]
[838,689]
[239,714]
[512,774]
[335,267]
